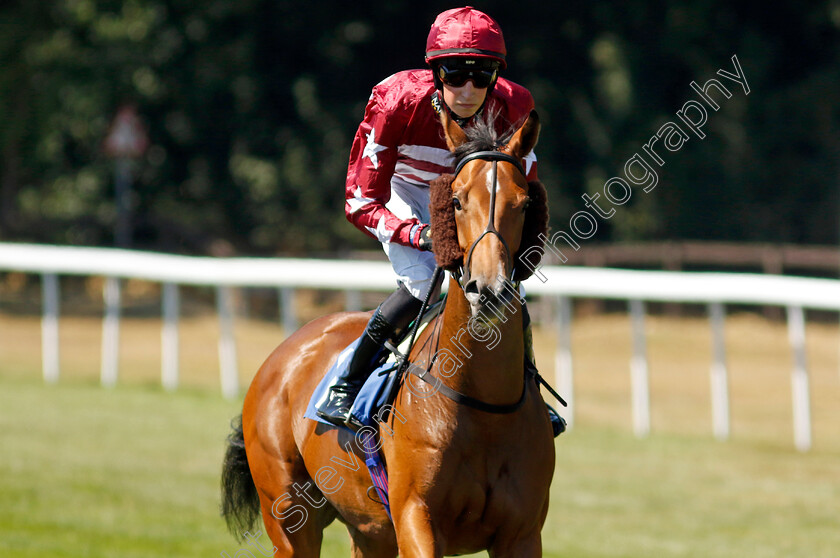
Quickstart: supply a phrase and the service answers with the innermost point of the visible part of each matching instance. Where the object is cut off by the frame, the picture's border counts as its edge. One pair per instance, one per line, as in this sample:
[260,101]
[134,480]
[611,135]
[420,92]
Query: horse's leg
[415,533]
[291,532]
[294,511]
[366,547]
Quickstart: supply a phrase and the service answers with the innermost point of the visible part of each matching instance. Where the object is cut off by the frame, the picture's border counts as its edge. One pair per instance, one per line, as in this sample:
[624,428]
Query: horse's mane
[482,136]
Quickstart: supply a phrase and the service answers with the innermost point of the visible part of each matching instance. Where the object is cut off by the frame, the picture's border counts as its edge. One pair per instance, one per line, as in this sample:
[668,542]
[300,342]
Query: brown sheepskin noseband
[448,252]
[445,245]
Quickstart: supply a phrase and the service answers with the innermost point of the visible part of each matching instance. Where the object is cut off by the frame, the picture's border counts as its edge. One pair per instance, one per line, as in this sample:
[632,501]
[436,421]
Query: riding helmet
[465,33]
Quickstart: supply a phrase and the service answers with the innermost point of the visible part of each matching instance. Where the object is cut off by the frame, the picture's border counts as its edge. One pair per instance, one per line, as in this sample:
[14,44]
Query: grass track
[134,471]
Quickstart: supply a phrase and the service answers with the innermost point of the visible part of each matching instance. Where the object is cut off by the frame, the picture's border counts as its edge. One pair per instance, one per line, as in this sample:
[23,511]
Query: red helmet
[465,33]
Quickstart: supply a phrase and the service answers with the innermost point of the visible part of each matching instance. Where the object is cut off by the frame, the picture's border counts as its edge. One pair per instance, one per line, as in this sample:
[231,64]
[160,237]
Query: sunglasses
[458,76]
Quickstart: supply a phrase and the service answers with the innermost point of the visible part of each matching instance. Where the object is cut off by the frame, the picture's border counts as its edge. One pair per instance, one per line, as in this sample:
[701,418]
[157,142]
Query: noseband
[495,157]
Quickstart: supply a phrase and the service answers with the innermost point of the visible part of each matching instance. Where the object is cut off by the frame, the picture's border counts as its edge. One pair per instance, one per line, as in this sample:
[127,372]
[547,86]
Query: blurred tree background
[251,106]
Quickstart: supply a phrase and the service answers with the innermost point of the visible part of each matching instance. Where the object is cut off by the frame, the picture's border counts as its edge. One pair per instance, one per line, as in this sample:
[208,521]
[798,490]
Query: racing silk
[401,140]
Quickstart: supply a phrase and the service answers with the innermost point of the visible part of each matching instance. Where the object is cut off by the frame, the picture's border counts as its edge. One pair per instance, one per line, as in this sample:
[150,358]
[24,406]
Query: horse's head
[486,216]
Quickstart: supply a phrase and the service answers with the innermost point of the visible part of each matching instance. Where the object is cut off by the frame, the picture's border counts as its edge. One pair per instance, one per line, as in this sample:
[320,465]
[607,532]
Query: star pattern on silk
[358,201]
[530,159]
[372,148]
[381,231]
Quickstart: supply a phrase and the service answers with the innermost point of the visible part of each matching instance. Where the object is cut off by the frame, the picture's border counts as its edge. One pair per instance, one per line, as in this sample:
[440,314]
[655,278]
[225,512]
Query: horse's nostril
[471,288]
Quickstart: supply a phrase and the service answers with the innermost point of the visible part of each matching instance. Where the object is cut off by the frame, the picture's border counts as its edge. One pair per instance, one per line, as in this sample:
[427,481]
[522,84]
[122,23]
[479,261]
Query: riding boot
[389,322]
[558,423]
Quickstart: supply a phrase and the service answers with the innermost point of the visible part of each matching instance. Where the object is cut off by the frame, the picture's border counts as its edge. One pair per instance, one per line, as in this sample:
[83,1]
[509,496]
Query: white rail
[713,289]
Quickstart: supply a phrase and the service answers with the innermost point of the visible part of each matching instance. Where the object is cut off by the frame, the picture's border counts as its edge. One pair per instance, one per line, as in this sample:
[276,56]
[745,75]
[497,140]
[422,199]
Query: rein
[463,399]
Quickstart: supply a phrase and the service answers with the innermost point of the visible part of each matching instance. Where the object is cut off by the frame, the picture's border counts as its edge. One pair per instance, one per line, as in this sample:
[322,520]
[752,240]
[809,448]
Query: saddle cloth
[371,398]
[377,388]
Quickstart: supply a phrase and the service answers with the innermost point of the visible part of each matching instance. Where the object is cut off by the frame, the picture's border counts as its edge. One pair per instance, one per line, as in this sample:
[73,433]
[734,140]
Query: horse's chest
[478,482]
[489,493]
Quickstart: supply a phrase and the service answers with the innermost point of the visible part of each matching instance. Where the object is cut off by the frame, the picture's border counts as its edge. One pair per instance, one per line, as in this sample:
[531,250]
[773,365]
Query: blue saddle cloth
[373,395]
[371,398]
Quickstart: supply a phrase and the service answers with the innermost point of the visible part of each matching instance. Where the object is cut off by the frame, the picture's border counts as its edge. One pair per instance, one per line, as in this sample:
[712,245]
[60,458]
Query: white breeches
[414,268]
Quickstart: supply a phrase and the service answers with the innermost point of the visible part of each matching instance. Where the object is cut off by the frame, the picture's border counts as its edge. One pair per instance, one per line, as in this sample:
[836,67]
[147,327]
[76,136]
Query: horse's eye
[456,203]
[526,204]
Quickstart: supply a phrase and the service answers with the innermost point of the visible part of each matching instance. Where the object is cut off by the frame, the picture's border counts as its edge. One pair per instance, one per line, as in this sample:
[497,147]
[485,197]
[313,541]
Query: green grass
[127,472]
[134,472]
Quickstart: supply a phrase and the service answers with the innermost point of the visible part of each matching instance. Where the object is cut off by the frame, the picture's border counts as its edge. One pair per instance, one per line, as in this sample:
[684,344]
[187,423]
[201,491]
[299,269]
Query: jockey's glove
[425,241]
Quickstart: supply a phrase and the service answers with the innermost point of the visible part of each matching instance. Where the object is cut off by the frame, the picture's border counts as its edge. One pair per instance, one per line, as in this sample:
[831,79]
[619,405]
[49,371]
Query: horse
[462,477]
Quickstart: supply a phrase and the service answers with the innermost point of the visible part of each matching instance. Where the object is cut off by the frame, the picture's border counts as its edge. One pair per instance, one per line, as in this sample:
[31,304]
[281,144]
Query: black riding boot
[389,322]
[558,423]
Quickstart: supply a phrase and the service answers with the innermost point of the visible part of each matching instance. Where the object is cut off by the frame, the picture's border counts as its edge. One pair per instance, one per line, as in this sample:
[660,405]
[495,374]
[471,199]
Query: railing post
[639,371]
[799,380]
[111,333]
[719,376]
[227,344]
[353,301]
[169,337]
[288,316]
[49,327]
[563,357]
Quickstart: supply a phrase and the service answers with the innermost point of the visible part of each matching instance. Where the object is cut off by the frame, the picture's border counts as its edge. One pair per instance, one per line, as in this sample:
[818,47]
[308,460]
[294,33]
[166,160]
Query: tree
[252,105]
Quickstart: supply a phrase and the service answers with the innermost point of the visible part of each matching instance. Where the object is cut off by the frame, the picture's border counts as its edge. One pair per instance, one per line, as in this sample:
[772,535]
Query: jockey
[398,150]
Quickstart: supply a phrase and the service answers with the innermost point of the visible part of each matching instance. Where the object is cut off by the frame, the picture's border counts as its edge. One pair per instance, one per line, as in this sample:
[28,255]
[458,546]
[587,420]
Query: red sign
[127,137]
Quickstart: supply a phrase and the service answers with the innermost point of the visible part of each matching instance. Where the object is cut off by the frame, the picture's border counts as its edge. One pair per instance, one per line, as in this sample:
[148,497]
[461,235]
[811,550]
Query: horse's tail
[240,502]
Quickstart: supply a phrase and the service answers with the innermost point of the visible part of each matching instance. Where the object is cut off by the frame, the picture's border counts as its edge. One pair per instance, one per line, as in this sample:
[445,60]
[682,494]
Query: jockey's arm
[373,159]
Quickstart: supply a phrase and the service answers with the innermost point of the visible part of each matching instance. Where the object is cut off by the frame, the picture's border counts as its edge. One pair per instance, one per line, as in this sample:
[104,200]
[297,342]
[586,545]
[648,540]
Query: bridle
[495,157]
[463,278]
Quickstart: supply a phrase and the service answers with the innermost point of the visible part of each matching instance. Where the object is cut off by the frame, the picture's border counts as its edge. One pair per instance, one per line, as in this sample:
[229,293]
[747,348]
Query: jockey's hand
[425,241]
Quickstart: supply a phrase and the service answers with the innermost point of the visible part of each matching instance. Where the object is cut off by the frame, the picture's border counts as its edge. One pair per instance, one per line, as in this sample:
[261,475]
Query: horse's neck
[490,354]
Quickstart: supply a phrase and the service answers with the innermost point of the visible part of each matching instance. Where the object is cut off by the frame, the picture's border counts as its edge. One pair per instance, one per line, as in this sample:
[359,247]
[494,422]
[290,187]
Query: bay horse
[461,479]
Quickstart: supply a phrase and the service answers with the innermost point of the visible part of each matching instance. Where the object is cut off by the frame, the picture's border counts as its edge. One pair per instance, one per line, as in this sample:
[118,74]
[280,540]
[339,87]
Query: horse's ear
[525,138]
[455,136]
